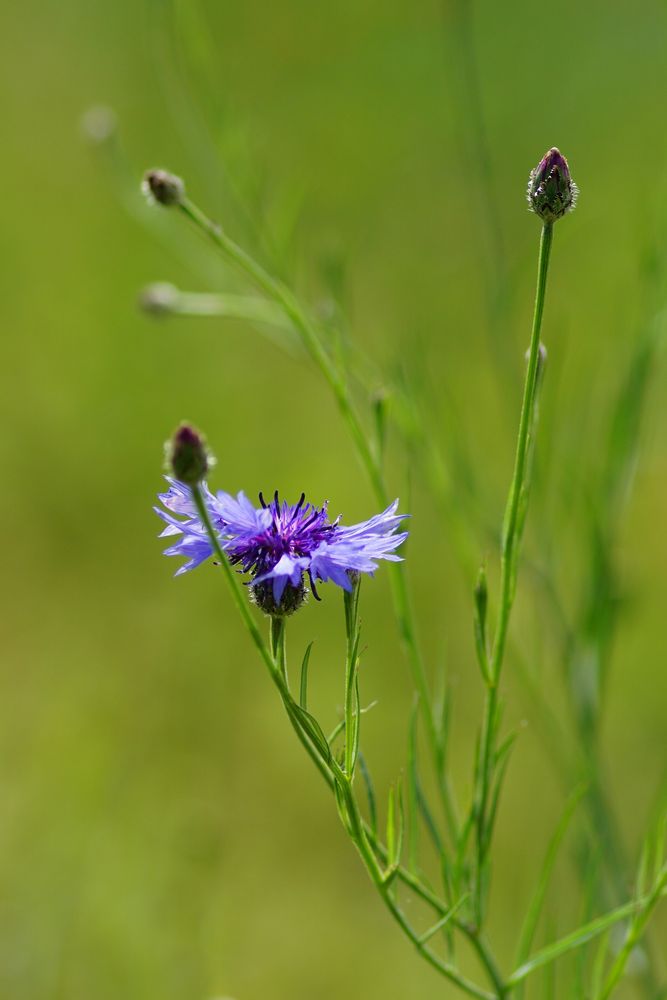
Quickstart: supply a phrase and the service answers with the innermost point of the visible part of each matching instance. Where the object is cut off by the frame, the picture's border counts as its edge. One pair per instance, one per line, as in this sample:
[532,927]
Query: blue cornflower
[278,543]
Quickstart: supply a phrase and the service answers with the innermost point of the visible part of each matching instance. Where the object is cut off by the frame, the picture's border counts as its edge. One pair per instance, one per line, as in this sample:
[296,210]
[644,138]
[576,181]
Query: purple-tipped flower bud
[187,456]
[551,190]
[162,187]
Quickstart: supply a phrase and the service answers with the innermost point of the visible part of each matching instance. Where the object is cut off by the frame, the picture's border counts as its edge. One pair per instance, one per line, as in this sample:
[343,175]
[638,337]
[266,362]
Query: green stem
[414,883]
[367,848]
[633,936]
[351,603]
[278,647]
[508,565]
[511,536]
[363,844]
[240,599]
[275,659]
[279,292]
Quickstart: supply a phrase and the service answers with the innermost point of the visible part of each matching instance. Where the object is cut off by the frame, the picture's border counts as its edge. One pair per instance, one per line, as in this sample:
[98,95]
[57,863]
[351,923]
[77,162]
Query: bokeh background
[162,835]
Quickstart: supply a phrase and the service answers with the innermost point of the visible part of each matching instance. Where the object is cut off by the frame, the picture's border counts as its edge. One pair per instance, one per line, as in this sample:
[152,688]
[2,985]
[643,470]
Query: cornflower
[278,544]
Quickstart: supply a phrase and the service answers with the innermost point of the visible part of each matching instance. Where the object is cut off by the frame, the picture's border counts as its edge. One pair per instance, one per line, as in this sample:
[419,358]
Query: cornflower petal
[287,570]
[240,516]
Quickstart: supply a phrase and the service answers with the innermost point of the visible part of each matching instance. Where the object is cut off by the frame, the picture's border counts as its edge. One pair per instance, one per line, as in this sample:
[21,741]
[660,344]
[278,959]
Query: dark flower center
[294,530]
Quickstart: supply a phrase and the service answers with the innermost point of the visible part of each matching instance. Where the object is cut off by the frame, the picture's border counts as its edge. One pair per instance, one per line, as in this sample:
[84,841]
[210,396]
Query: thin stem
[239,598]
[511,536]
[633,936]
[367,846]
[414,883]
[266,654]
[279,292]
[363,844]
[277,643]
[273,656]
[508,565]
[351,603]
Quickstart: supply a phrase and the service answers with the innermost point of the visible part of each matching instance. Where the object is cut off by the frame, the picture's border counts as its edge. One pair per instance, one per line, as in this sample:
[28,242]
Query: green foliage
[158,838]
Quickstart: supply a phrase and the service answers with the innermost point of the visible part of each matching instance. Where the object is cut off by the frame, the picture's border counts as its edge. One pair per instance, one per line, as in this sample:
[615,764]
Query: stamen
[311,520]
[313,587]
[295,512]
[261,500]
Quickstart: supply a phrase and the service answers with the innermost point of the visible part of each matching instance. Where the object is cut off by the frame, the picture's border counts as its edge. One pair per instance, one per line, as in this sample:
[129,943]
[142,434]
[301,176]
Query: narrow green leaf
[336,731]
[401,824]
[535,909]
[574,940]
[413,795]
[640,917]
[313,730]
[379,404]
[642,870]
[357,724]
[370,794]
[342,809]
[463,841]
[502,762]
[660,846]
[444,717]
[481,596]
[598,965]
[444,920]
[303,688]
[429,821]
[391,827]
[549,976]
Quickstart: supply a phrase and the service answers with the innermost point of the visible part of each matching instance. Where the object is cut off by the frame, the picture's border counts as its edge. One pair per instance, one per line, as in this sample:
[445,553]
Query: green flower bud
[187,455]
[551,190]
[162,187]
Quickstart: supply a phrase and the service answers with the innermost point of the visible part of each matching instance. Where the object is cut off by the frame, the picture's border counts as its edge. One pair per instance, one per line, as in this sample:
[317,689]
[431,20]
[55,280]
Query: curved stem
[239,598]
[281,294]
[275,659]
[383,885]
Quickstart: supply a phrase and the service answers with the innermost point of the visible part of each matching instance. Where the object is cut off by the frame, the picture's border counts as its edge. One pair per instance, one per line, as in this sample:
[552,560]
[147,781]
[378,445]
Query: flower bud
[187,455]
[551,190]
[159,299]
[99,124]
[162,187]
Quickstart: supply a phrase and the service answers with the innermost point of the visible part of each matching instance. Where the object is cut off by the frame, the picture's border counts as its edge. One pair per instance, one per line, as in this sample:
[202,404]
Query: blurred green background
[161,834]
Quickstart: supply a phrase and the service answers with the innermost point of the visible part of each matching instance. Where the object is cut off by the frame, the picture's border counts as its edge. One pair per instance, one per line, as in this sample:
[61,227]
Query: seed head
[292,598]
[187,456]
[551,190]
[162,187]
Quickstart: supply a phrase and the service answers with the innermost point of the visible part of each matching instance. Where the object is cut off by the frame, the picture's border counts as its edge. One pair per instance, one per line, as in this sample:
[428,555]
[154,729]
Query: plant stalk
[508,565]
